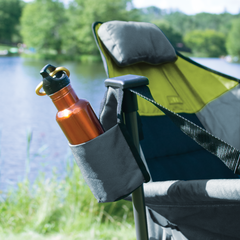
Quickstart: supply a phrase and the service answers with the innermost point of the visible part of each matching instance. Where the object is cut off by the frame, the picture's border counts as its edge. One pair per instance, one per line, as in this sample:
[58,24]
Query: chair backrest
[206,97]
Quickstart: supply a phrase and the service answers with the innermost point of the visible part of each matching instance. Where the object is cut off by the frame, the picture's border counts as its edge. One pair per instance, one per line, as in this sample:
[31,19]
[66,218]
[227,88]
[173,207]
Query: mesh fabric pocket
[110,165]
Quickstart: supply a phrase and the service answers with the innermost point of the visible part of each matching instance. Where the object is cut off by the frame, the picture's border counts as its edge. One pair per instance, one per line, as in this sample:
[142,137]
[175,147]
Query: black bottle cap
[55,83]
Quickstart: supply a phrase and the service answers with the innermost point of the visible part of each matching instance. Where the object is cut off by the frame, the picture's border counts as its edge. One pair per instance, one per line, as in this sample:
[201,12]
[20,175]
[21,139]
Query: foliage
[208,43]
[182,22]
[10,12]
[218,22]
[51,29]
[172,34]
[61,208]
[42,23]
[81,14]
[201,21]
[152,13]
[233,43]
[66,207]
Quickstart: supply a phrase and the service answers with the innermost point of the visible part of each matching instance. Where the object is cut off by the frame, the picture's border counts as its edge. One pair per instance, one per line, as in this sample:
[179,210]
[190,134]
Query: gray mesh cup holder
[110,165]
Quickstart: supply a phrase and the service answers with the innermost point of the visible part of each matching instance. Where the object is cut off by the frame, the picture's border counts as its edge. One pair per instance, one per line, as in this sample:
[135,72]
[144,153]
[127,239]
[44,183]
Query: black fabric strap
[228,154]
[110,115]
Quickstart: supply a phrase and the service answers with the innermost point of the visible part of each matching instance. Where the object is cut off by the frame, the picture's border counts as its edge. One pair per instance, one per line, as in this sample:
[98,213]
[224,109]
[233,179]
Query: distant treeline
[49,28]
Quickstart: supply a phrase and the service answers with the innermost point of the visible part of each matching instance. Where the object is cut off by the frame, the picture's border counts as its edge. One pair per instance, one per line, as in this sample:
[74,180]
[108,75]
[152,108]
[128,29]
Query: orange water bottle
[75,116]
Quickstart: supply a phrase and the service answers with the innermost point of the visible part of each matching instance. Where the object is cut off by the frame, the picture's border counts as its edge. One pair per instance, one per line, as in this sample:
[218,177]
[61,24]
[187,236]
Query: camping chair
[188,125]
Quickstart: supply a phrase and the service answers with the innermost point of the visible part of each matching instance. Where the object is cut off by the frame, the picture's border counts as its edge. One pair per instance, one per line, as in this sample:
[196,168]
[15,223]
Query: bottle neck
[64,98]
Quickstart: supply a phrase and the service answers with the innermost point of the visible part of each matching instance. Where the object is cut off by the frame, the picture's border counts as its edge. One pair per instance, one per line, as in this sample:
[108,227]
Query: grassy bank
[62,57]
[66,209]
[7,50]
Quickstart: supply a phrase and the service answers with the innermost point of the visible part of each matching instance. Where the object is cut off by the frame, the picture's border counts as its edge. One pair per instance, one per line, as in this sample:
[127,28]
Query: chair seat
[199,209]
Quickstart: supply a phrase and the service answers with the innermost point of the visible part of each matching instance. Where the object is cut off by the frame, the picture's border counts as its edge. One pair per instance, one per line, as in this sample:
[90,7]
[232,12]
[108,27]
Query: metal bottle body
[75,116]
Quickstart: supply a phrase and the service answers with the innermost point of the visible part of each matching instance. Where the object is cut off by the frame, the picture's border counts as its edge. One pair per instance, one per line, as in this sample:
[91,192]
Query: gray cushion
[133,42]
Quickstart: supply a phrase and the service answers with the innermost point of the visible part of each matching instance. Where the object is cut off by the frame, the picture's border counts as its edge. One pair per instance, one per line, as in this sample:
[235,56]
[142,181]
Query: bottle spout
[54,79]
[46,70]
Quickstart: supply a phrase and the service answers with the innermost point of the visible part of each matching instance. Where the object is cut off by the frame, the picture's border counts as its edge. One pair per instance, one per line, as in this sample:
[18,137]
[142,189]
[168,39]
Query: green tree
[172,34]
[233,43]
[225,22]
[218,22]
[81,14]
[208,43]
[201,21]
[180,21]
[42,24]
[152,13]
[10,12]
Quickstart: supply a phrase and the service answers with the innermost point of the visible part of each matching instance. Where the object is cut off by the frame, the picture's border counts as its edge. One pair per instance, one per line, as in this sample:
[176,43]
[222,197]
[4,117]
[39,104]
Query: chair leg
[139,211]
[138,195]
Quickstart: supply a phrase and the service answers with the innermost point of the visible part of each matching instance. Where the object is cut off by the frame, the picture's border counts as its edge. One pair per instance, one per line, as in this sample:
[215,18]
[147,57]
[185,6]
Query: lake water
[22,111]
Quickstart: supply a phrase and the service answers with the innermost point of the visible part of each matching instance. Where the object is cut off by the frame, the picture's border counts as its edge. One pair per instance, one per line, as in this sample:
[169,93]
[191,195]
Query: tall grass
[62,209]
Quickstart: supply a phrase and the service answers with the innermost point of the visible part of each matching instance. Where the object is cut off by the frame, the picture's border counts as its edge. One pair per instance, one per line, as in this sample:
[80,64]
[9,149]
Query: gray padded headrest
[134,42]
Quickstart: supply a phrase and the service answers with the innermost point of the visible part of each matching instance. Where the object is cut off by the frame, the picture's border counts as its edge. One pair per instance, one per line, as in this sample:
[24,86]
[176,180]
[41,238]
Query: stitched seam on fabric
[227,153]
[191,123]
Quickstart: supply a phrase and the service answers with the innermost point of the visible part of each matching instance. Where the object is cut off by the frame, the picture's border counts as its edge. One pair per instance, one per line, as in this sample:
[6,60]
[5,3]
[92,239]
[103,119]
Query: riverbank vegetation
[50,29]
[63,210]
